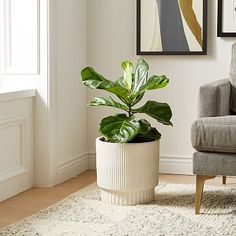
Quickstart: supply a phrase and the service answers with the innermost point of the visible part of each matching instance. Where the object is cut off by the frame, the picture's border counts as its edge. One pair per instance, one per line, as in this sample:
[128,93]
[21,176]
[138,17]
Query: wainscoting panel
[16,150]
[13,146]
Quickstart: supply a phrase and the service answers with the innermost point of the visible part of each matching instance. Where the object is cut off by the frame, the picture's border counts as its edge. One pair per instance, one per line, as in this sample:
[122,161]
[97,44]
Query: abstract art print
[226,18]
[171,27]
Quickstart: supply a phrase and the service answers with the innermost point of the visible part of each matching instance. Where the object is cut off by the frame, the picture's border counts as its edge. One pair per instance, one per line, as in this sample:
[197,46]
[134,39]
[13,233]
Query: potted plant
[127,154]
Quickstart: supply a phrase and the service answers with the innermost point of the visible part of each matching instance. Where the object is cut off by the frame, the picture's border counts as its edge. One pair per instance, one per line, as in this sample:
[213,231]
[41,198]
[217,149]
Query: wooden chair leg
[200,180]
[224,179]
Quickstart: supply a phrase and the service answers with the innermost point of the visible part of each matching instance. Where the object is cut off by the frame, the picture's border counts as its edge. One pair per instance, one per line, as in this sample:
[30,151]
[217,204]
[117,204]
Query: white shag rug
[172,213]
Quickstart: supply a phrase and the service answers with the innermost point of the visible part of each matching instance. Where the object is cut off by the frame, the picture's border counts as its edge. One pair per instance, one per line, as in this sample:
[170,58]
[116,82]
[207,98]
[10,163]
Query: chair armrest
[214,99]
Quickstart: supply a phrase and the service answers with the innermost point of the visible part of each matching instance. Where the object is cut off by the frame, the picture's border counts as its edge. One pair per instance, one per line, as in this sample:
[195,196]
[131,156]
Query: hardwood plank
[35,199]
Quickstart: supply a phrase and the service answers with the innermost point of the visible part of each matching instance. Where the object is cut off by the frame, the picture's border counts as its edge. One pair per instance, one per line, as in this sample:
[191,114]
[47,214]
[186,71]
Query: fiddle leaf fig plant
[129,89]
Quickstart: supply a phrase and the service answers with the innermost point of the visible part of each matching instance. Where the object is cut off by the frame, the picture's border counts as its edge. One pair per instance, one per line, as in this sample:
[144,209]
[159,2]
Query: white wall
[112,38]
[71,95]
[60,137]
[44,161]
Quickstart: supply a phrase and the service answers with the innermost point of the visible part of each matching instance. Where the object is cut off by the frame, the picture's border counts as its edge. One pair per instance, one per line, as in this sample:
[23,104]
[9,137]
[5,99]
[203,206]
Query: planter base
[124,198]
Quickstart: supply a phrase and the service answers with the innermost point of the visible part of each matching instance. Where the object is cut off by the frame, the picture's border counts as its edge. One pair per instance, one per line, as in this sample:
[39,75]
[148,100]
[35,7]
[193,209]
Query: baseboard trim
[74,166]
[168,164]
[83,162]
[176,165]
[92,161]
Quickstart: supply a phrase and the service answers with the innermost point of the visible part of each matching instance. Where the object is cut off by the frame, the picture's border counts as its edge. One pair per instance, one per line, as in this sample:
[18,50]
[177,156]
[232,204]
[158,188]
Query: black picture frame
[220,32]
[138,36]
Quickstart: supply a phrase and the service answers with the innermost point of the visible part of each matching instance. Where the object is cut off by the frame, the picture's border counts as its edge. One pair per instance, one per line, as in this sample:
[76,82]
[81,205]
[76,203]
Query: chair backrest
[233,80]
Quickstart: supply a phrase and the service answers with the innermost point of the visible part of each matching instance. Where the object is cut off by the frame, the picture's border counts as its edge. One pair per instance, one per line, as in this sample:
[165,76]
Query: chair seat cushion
[214,134]
[205,163]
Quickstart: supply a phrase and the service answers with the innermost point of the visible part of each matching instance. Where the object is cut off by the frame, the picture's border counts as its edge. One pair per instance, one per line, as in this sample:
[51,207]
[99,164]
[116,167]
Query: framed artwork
[226,26]
[172,27]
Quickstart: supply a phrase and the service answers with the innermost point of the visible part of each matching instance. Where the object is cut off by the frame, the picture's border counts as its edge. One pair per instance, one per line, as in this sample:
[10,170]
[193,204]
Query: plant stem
[130,114]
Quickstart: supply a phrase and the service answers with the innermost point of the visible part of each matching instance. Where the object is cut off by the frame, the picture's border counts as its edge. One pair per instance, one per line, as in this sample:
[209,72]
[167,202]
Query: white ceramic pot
[127,173]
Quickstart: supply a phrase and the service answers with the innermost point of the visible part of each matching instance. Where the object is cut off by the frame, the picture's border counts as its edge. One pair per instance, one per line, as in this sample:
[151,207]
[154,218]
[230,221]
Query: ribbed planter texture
[127,173]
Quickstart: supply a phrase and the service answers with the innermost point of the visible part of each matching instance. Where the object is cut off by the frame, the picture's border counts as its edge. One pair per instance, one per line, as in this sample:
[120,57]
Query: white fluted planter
[127,173]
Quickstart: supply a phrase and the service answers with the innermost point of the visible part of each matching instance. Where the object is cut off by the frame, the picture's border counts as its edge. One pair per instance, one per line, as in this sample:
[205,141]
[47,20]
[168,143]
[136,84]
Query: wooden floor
[35,199]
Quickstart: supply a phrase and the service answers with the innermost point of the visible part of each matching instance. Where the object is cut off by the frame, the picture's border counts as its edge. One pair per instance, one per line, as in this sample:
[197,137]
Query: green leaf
[145,126]
[120,82]
[155,82]
[152,135]
[120,92]
[128,73]
[107,101]
[123,100]
[94,80]
[119,128]
[159,111]
[141,75]
[137,99]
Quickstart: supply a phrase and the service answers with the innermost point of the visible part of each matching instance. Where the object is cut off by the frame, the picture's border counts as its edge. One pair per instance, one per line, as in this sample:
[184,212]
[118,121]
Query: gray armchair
[214,133]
